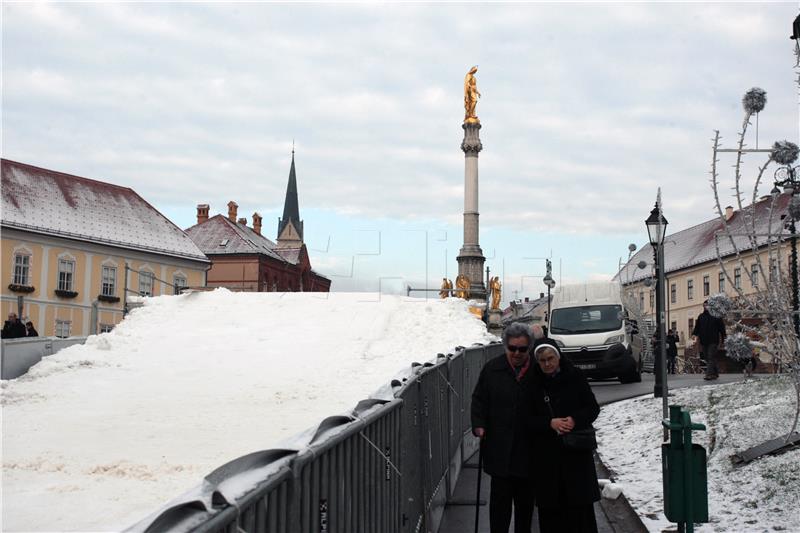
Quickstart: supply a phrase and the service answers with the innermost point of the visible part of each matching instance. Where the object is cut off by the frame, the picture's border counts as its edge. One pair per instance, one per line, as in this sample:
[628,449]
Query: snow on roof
[138,416]
[210,235]
[45,201]
[290,254]
[698,244]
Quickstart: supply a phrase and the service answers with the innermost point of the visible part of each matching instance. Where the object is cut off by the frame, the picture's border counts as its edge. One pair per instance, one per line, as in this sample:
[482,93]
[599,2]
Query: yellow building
[693,271]
[71,247]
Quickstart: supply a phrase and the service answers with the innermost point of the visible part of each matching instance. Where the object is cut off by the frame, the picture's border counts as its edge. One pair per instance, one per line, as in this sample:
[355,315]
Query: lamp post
[656,230]
[786,177]
[550,282]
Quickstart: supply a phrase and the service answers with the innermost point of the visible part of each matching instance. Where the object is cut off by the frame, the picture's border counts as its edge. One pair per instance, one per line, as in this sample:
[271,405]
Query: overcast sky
[586,111]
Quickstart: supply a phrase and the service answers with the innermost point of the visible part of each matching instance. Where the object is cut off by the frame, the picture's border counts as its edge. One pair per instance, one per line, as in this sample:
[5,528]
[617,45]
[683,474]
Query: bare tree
[761,233]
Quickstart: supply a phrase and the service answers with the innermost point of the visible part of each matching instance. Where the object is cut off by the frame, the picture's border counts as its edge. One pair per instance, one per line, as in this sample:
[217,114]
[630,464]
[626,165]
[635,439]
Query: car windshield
[586,319]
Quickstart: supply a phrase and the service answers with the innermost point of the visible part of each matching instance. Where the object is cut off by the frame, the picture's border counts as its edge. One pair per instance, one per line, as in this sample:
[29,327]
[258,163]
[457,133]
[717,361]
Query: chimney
[728,212]
[541,295]
[243,221]
[526,299]
[232,207]
[257,223]
[202,213]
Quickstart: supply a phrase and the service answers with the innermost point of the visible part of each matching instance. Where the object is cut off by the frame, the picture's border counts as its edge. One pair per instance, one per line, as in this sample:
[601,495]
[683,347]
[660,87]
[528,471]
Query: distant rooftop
[699,244]
[54,203]
[220,236]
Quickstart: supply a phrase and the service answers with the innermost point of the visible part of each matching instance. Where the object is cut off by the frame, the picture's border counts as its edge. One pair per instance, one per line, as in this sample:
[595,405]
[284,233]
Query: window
[105,328]
[146,283]
[673,326]
[109,283]
[652,299]
[178,283]
[737,278]
[63,328]
[673,293]
[773,269]
[690,289]
[641,300]
[722,282]
[706,285]
[754,274]
[66,271]
[22,268]
[691,325]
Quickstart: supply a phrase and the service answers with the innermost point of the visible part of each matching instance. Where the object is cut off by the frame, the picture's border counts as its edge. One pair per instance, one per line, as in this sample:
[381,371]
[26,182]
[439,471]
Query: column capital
[471,144]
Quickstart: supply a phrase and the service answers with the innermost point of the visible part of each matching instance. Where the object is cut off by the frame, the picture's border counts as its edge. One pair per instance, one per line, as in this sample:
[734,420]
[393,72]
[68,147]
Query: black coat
[13,330]
[564,478]
[709,329]
[501,405]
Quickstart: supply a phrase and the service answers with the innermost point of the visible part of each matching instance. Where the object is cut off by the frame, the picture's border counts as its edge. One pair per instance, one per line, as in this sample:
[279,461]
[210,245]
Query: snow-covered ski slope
[98,436]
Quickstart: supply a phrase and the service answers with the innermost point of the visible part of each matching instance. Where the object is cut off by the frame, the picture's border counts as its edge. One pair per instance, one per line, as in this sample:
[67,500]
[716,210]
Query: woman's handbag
[577,439]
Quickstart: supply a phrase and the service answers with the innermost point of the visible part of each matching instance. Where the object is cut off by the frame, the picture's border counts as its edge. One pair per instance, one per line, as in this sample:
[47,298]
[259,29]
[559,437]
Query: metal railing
[388,467]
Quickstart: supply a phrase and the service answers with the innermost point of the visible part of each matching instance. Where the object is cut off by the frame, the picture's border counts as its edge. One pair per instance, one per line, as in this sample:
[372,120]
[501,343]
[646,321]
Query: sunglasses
[517,348]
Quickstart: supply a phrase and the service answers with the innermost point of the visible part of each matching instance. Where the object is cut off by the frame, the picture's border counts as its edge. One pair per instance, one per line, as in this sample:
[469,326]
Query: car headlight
[559,343]
[615,339]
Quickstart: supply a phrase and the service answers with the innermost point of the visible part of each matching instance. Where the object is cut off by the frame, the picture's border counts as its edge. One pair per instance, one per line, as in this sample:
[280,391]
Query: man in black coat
[566,481]
[710,332]
[13,327]
[500,418]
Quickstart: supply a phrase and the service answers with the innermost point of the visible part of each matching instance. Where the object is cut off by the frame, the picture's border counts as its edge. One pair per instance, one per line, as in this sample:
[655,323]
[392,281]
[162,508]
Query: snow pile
[760,496]
[98,436]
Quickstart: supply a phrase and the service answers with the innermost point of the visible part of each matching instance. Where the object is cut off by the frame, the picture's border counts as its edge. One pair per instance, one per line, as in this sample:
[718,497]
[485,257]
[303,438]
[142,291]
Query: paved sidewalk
[461,518]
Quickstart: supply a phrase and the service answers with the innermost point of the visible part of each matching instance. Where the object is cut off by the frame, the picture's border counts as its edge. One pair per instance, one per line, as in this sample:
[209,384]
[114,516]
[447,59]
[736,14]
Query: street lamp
[550,282]
[656,230]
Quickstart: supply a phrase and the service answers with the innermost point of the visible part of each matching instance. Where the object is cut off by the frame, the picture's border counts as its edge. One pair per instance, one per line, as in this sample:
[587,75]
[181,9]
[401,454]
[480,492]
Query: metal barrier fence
[388,467]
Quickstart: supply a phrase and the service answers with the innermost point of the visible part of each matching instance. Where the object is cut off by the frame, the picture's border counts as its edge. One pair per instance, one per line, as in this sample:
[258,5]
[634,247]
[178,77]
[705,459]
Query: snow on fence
[390,466]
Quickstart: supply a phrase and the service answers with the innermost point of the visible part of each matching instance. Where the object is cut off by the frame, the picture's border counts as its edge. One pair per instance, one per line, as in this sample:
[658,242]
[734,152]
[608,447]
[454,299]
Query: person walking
[672,350]
[500,418]
[565,478]
[709,331]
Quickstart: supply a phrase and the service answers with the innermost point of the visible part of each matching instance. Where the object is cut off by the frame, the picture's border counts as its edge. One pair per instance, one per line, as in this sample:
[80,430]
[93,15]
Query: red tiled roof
[698,244]
[53,203]
[237,238]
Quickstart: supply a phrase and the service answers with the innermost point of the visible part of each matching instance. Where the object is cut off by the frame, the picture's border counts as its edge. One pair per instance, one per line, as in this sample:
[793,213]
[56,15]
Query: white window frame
[178,281]
[105,328]
[144,274]
[22,272]
[108,285]
[63,328]
[754,274]
[67,281]
[737,278]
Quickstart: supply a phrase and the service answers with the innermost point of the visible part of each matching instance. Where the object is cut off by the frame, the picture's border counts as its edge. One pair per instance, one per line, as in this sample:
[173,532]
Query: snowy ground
[761,496]
[97,437]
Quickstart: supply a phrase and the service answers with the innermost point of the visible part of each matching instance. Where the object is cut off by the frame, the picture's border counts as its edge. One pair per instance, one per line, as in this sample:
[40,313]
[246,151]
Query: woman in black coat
[565,479]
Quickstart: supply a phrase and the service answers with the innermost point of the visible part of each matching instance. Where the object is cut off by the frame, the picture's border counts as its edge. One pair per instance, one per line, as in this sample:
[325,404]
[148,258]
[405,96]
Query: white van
[589,323]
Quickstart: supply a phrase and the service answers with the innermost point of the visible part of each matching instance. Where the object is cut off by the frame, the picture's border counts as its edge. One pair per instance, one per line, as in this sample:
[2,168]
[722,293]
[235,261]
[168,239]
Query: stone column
[470,257]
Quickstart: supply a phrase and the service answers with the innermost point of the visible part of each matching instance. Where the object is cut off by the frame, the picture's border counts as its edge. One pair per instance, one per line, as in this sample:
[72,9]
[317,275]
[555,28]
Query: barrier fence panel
[389,467]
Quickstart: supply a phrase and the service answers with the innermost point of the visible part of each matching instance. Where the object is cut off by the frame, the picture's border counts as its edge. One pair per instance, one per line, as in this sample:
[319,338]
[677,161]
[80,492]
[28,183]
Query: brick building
[243,259]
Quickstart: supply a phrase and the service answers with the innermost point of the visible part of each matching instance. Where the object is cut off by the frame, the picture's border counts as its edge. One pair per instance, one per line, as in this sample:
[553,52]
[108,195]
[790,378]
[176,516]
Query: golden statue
[496,292]
[471,95]
[462,286]
[447,287]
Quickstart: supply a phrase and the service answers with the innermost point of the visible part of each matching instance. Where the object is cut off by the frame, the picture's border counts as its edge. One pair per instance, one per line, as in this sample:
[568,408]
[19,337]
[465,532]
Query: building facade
[243,259]
[73,246]
[694,271]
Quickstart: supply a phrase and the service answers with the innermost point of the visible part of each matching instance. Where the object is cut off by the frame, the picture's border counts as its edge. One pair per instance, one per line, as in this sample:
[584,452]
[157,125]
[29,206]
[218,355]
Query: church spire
[290,227]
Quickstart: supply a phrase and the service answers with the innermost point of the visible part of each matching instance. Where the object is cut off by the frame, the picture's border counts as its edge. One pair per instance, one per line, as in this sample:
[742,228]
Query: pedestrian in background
[13,328]
[672,350]
[565,478]
[30,330]
[500,418]
[709,331]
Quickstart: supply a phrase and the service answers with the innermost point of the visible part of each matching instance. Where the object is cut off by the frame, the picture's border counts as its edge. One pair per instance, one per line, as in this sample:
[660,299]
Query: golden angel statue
[447,287]
[497,292]
[462,286]
[471,95]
